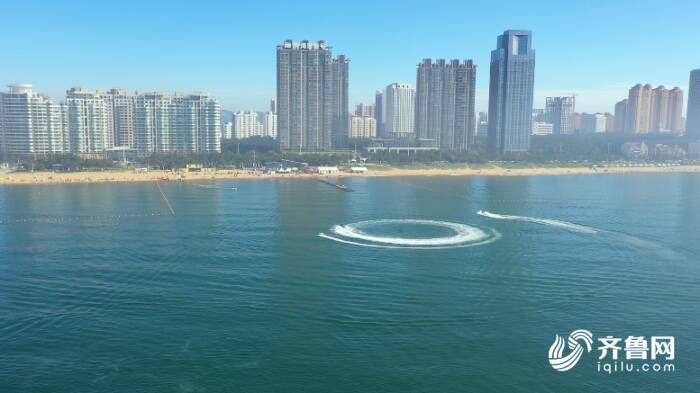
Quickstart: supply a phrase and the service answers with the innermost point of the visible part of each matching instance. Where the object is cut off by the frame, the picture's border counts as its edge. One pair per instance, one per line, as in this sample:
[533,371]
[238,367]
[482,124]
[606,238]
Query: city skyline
[600,75]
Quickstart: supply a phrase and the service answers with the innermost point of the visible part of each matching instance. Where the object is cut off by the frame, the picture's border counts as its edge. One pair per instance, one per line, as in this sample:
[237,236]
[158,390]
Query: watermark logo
[641,354]
[578,341]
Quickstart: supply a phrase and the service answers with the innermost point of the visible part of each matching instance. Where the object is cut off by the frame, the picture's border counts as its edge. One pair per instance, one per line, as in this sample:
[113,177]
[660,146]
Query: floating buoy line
[77,219]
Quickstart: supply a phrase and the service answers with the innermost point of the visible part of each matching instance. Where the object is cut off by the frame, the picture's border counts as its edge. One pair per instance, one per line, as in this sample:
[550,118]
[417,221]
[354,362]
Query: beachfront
[159,175]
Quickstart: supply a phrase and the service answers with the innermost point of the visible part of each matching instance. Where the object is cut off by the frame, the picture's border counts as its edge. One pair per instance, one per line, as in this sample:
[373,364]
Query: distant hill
[226,115]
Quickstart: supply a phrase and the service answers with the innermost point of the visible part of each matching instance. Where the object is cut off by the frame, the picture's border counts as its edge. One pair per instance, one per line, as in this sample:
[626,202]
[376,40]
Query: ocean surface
[406,284]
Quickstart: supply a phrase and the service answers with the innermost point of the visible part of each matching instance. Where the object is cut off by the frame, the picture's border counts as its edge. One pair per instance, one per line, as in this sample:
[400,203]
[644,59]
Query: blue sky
[594,48]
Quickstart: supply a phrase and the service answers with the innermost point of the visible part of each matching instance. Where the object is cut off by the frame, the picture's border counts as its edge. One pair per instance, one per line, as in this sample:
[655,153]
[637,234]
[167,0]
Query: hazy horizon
[596,50]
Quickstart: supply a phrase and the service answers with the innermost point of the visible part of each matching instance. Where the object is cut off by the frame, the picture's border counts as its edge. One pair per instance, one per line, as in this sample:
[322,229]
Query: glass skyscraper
[692,128]
[379,111]
[511,92]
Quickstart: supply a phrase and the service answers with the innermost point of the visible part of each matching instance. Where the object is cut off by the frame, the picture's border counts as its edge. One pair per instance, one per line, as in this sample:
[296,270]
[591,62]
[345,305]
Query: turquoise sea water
[102,289]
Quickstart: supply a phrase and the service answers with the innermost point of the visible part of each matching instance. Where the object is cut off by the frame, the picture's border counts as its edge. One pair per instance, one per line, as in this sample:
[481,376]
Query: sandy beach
[156,175]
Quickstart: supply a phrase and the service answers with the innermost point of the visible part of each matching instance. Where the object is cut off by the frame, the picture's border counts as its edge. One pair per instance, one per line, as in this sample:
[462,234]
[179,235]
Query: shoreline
[126,176]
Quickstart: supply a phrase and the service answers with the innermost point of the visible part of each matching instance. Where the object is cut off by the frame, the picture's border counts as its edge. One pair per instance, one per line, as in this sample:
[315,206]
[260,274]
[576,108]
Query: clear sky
[597,49]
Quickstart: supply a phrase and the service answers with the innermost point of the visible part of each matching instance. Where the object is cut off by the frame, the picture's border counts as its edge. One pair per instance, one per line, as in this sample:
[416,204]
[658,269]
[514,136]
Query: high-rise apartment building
[269,122]
[445,103]
[675,111]
[658,120]
[593,122]
[30,123]
[246,125]
[576,121]
[399,104]
[337,100]
[692,123]
[312,96]
[177,123]
[559,112]
[123,117]
[90,121]
[639,104]
[542,128]
[666,110]
[609,122]
[365,110]
[620,116]
[649,109]
[511,92]
[227,130]
[363,127]
[199,128]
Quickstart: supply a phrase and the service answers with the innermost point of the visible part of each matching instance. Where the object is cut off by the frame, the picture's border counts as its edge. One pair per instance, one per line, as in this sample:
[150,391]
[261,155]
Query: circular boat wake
[408,233]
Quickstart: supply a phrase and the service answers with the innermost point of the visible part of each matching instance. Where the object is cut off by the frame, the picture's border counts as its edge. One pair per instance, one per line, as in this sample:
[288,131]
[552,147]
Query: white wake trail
[605,235]
[462,235]
[496,236]
[542,221]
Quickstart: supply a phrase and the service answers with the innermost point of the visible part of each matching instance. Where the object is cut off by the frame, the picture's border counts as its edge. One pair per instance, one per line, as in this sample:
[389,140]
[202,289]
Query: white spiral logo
[566,363]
